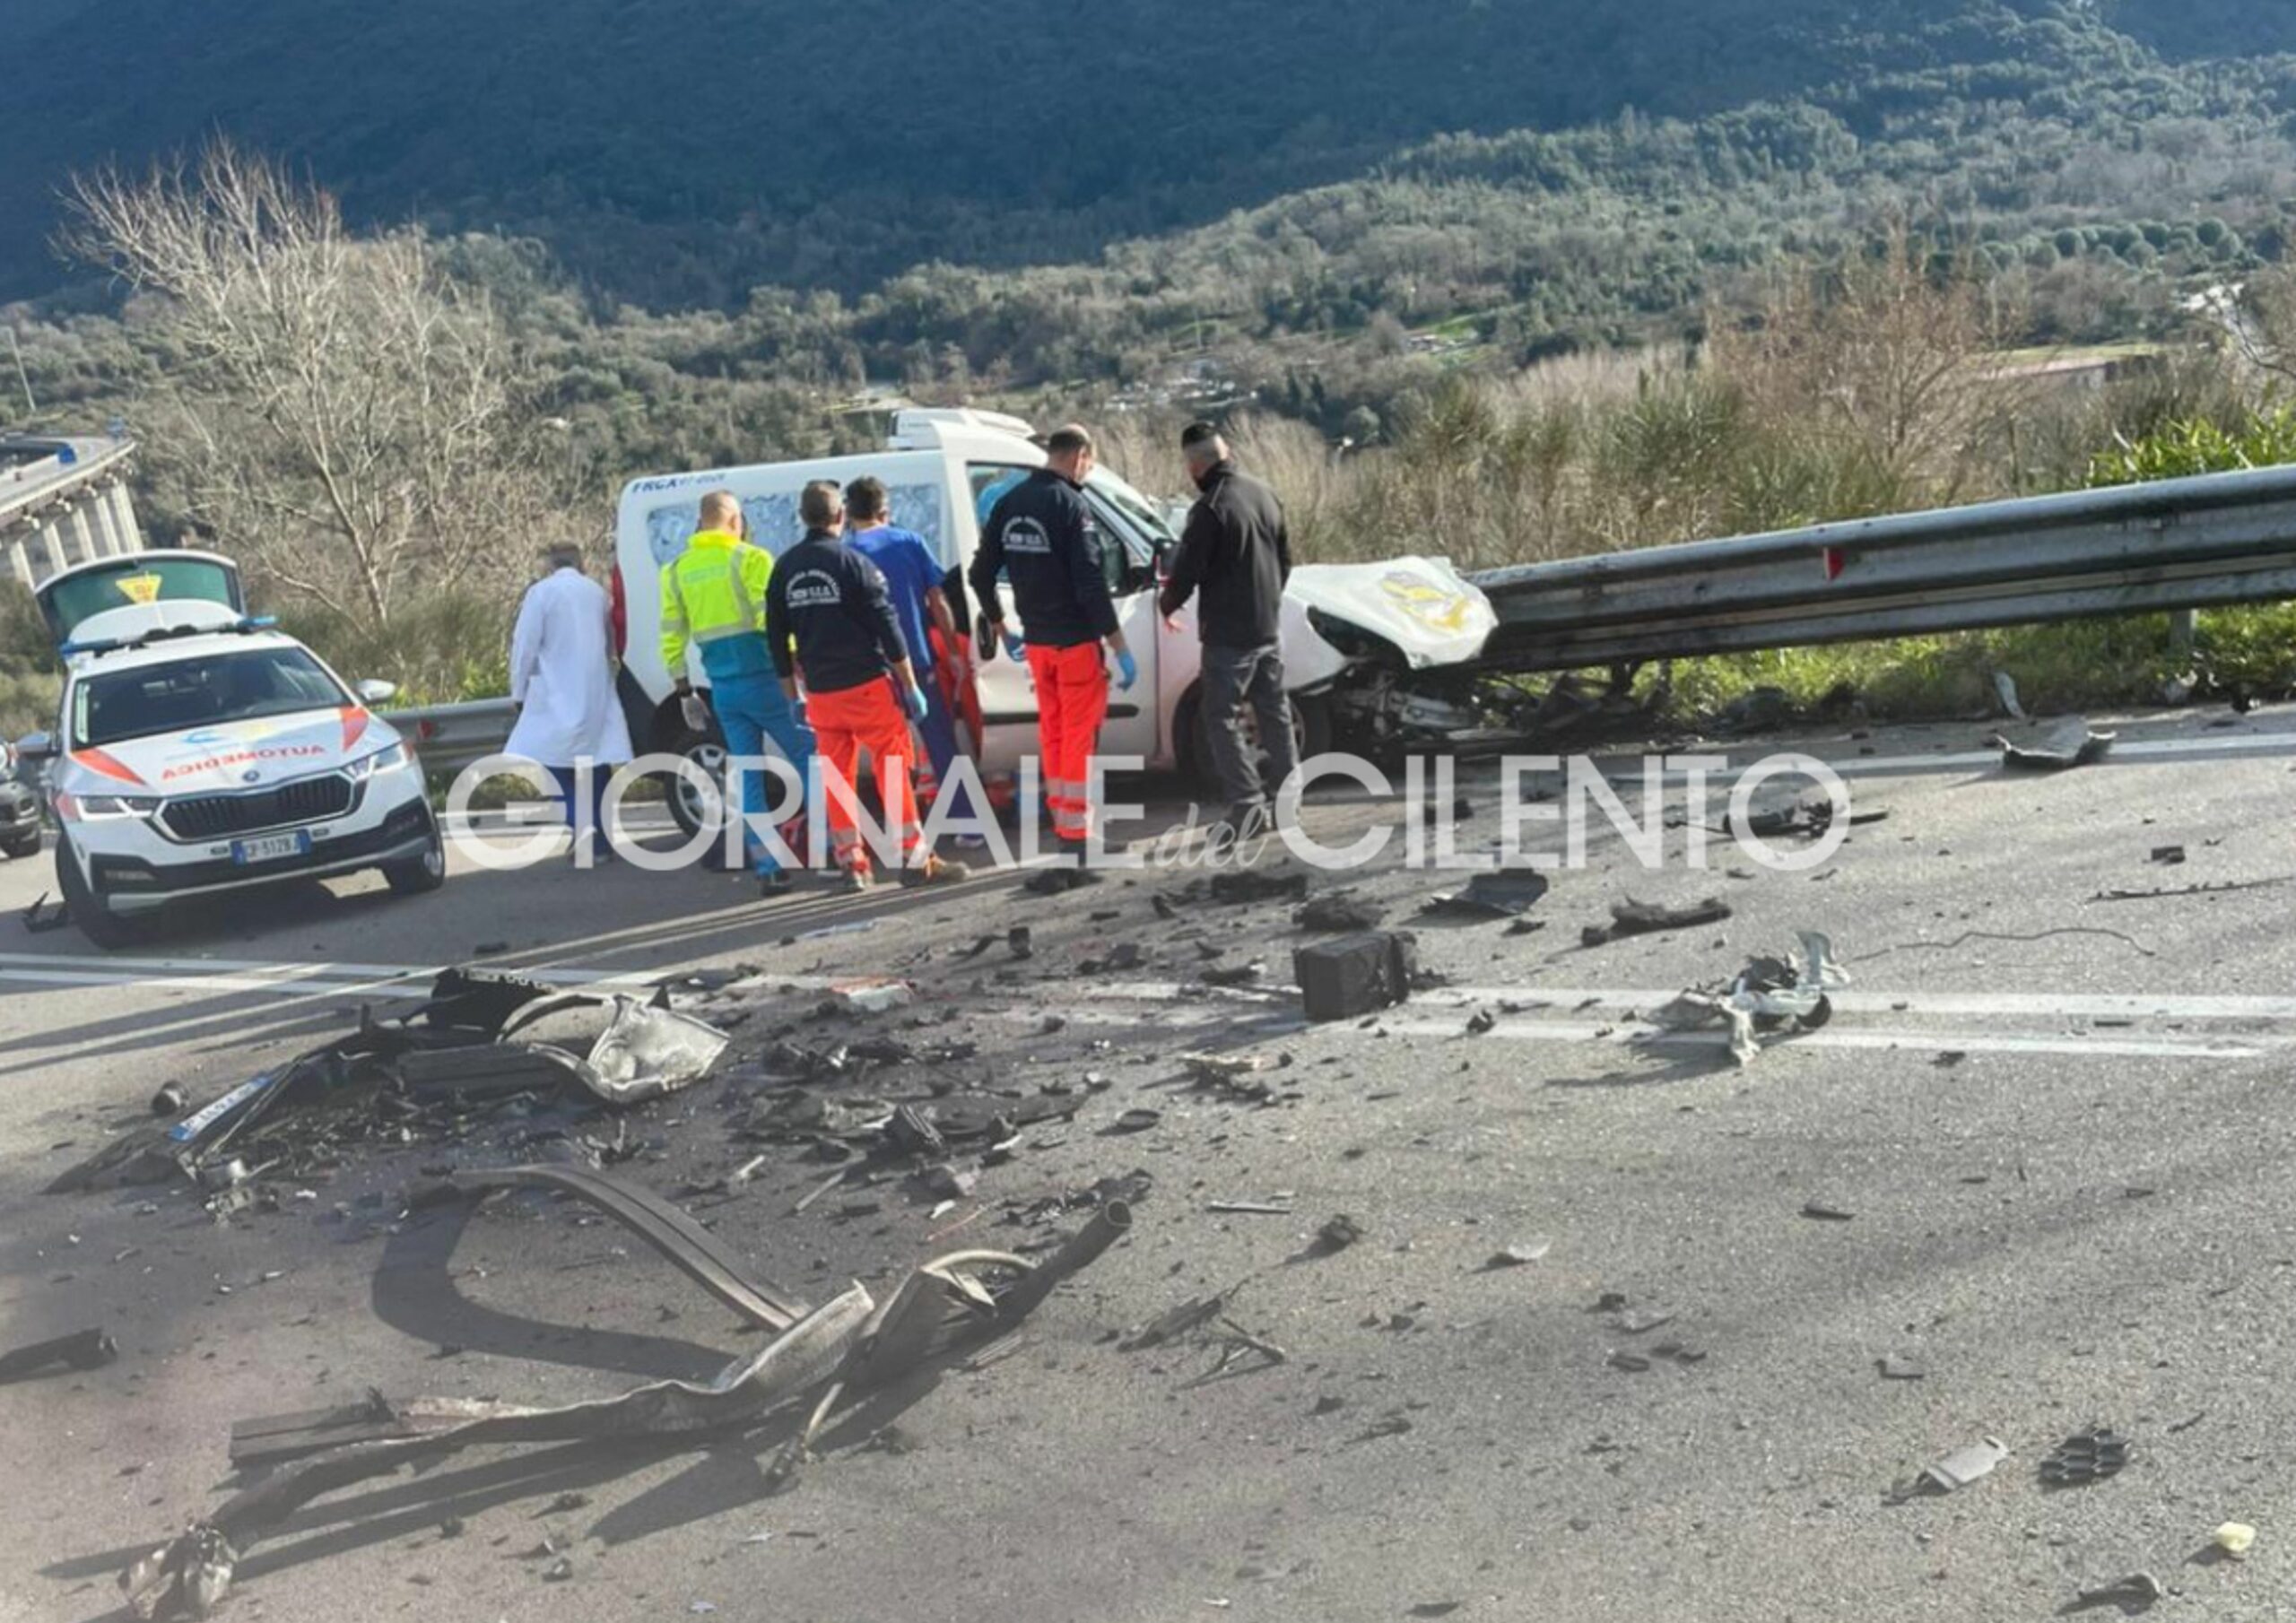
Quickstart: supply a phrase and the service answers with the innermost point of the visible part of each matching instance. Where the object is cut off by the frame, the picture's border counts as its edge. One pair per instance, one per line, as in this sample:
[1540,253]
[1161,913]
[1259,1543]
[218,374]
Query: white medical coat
[561,672]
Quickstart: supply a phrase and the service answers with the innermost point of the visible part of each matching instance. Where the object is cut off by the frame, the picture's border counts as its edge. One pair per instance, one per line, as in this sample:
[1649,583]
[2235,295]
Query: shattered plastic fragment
[2070,743]
[2235,1538]
[1966,1465]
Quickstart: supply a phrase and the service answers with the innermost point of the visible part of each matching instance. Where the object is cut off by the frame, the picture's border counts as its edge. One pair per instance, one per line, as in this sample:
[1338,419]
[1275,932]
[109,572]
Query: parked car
[199,752]
[1380,651]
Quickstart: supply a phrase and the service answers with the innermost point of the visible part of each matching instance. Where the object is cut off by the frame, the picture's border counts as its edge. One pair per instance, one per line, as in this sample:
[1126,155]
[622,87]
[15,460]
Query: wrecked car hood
[1423,606]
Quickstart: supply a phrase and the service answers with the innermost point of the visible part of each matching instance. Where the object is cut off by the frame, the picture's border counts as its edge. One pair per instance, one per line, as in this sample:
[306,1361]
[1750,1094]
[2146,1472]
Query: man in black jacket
[1040,536]
[828,620]
[1238,553]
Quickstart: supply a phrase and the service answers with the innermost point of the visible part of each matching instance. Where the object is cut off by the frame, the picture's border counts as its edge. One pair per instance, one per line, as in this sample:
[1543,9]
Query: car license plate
[270,847]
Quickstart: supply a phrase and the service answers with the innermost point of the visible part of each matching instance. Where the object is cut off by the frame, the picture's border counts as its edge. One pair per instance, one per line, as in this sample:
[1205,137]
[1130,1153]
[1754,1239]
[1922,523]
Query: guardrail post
[2180,638]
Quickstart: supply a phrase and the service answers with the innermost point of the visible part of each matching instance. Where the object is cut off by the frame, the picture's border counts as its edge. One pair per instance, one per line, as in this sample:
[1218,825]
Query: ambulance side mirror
[373,693]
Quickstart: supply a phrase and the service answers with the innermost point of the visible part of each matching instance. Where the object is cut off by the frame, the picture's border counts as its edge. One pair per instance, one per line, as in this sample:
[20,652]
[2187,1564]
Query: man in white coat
[561,679]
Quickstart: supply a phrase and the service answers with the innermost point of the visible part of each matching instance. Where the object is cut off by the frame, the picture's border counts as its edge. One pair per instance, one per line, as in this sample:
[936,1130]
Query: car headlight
[389,758]
[93,808]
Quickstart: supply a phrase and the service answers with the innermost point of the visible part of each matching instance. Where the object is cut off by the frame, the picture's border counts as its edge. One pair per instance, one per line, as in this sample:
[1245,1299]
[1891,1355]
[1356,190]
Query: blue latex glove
[1015,649]
[1127,670]
[917,705]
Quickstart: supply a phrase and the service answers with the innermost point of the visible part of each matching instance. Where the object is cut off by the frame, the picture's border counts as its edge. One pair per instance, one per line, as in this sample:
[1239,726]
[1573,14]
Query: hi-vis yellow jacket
[713,593]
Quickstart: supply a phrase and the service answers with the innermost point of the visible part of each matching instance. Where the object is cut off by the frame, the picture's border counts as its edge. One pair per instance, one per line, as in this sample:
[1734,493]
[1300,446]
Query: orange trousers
[1072,701]
[845,723]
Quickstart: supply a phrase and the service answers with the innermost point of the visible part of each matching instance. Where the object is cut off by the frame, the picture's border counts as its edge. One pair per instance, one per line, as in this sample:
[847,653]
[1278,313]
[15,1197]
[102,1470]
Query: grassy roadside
[2073,665]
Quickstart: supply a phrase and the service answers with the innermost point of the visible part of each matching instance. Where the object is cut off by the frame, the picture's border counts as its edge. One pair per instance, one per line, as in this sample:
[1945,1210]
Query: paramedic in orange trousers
[1040,536]
[828,617]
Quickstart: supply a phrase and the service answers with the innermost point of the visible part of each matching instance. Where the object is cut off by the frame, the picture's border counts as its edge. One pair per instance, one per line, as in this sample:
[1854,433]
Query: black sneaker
[780,882]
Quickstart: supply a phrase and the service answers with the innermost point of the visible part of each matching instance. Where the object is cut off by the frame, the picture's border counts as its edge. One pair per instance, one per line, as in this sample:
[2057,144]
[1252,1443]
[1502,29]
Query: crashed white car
[199,752]
[1374,655]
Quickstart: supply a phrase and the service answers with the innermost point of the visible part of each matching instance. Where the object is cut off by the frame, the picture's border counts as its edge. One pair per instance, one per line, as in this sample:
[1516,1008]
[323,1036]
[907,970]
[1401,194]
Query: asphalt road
[2056,1124]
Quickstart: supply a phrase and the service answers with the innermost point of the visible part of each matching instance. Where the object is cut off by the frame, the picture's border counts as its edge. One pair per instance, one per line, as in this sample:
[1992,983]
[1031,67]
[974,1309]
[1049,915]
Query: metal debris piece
[2168,857]
[2070,743]
[2004,688]
[1188,1317]
[1138,1119]
[689,1247]
[171,1100]
[646,1052]
[850,1346]
[874,996]
[2135,1591]
[1481,1023]
[1895,1368]
[1338,1233]
[1517,1255]
[488,1071]
[1966,1465]
[82,1350]
[1248,1208]
[1767,994]
[1236,975]
[1631,917]
[40,923]
[1019,942]
[1258,885]
[1502,893]
[2085,1457]
[1825,1213]
[1058,878]
[1338,912]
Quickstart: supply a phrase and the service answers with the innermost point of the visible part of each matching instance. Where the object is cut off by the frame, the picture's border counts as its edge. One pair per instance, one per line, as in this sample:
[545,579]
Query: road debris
[2168,857]
[1355,975]
[1824,1213]
[874,997]
[1248,1208]
[1503,893]
[2085,1457]
[171,1100]
[1338,1233]
[39,918]
[2134,1593]
[828,1357]
[2214,887]
[2070,743]
[2235,1538]
[1237,885]
[1893,1367]
[1770,994]
[1338,912]
[1517,1255]
[1631,917]
[83,1350]
[1966,1465]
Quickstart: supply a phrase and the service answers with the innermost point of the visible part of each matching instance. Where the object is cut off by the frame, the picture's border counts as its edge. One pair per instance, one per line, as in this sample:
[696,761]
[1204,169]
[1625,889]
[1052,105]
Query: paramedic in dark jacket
[1235,554]
[1040,537]
[828,620]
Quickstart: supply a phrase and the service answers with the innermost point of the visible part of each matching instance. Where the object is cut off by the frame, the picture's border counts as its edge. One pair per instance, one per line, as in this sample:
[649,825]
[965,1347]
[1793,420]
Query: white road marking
[1552,1014]
[2125,752]
[1644,1038]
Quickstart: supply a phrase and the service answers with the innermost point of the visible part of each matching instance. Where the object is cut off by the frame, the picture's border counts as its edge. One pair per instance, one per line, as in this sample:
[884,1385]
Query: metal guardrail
[450,737]
[2183,544]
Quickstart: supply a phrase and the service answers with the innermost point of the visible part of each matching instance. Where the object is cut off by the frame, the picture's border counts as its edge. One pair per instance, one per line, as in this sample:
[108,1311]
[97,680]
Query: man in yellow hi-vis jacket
[713,599]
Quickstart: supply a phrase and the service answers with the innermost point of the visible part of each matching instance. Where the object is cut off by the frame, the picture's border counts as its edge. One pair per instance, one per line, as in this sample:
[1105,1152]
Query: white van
[1410,614]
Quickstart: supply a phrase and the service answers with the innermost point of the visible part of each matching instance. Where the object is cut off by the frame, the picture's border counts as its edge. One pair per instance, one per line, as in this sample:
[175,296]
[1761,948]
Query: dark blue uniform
[1040,533]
